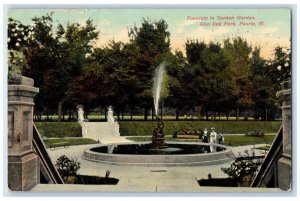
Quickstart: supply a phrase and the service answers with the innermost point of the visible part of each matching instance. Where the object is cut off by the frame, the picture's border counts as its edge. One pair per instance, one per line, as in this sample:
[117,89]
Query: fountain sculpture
[158,138]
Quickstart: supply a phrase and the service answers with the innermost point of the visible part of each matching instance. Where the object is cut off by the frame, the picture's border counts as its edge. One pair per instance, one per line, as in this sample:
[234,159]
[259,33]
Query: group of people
[211,137]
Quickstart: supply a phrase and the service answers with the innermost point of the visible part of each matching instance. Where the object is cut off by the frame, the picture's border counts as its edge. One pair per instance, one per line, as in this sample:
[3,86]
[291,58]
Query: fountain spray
[158,78]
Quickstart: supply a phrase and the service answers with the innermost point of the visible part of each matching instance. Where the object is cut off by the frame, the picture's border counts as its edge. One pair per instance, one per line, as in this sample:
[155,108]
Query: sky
[266,28]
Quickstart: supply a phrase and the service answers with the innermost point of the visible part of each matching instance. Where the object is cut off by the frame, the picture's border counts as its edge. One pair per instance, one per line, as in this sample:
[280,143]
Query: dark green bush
[139,128]
[67,167]
[59,129]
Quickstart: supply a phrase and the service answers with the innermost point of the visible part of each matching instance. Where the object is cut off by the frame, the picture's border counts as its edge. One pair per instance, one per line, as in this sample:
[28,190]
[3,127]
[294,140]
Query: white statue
[80,113]
[213,139]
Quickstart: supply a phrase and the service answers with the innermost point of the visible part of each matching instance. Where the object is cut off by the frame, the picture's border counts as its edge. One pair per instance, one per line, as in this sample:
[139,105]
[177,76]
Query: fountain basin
[176,154]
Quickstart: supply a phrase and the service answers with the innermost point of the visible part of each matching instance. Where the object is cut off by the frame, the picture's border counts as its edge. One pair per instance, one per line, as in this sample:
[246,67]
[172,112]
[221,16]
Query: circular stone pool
[175,154]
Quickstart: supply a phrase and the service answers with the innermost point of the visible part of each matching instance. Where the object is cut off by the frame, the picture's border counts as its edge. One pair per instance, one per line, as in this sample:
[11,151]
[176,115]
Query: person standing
[213,139]
[221,139]
[205,136]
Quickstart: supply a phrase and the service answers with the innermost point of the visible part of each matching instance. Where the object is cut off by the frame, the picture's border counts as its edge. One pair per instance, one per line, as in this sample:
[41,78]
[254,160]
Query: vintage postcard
[149,99]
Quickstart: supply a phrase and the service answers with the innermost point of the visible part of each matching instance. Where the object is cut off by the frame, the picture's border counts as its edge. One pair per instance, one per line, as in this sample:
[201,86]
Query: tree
[67,167]
[55,57]
[263,89]
[237,54]
[152,41]
[280,65]
[175,68]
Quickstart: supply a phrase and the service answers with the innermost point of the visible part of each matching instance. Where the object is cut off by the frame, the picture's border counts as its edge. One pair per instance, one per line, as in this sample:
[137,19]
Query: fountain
[158,138]
[158,152]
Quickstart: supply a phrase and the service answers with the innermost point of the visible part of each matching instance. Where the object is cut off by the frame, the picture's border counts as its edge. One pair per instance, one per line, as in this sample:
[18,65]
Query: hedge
[140,128]
[59,129]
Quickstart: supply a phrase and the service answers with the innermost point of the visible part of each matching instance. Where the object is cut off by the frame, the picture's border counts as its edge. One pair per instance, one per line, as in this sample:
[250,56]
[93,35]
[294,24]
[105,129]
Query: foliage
[281,63]
[241,168]
[255,134]
[18,37]
[54,57]
[59,129]
[187,131]
[212,78]
[140,128]
[67,167]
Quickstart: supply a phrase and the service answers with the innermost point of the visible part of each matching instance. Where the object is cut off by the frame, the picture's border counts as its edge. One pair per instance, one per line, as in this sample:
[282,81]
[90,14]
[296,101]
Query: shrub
[242,167]
[59,129]
[67,167]
[255,134]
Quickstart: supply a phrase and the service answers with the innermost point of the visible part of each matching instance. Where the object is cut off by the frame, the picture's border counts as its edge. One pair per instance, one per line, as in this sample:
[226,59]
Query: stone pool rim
[197,159]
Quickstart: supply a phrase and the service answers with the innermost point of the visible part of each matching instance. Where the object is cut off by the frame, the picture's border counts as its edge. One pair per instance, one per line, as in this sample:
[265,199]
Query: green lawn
[241,140]
[70,141]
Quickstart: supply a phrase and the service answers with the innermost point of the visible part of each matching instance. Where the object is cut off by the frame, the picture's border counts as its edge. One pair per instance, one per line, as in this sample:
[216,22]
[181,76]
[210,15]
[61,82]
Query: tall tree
[59,55]
[152,41]
[237,53]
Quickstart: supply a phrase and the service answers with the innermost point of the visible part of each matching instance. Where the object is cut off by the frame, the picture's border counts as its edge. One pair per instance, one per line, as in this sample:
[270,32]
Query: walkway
[141,179]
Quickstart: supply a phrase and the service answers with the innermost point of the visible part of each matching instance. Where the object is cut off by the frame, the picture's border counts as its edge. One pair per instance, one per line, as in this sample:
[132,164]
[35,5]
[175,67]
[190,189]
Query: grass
[70,141]
[237,140]
[241,140]
[141,128]
[59,129]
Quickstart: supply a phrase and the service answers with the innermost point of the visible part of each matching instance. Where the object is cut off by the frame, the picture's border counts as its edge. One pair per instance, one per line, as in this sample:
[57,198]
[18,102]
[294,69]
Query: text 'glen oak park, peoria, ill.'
[217,21]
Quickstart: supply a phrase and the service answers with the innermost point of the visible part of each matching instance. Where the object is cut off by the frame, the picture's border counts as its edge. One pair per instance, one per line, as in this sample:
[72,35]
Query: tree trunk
[206,114]
[161,113]
[131,113]
[59,111]
[177,114]
[146,114]
[47,117]
[70,115]
[237,113]
[152,113]
[118,115]
[266,114]
[63,115]
[105,113]
[227,116]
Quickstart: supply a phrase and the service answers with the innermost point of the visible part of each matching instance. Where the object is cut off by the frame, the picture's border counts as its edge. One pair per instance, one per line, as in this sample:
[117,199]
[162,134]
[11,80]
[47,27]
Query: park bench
[59,144]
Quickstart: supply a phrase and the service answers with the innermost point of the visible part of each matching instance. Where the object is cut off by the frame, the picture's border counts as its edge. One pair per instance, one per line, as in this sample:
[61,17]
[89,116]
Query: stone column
[285,162]
[23,163]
